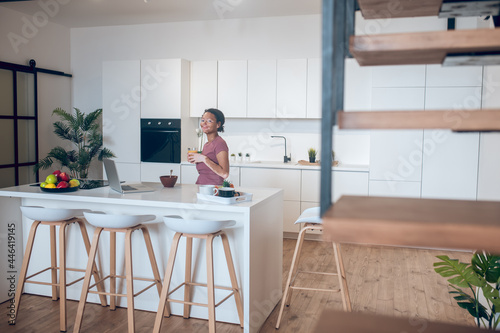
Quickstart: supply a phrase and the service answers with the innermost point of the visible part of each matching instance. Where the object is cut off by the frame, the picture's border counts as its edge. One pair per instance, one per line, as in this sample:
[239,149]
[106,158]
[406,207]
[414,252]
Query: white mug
[206,189]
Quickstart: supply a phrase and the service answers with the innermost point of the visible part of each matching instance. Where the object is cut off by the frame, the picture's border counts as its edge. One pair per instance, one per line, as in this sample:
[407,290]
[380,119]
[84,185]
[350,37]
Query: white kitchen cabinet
[401,189]
[121,109]
[203,87]
[488,182]
[396,155]
[189,174]
[261,89]
[232,88]
[450,163]
[343,183]
[488,187]
[313,109]
[357,86]
[164,88]
[291,88]
[291,212]
[151,172]
[286,179]
[398,76]
[453,76]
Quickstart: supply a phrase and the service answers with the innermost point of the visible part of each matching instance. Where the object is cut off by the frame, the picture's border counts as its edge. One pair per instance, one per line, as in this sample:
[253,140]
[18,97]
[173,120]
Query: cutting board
[303,162]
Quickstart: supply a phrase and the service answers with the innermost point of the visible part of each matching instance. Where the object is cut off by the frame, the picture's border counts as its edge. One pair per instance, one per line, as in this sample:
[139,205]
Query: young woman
[213,162]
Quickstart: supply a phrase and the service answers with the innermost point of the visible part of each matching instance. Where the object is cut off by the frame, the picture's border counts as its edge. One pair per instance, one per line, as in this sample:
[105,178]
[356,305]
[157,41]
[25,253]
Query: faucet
[286,159]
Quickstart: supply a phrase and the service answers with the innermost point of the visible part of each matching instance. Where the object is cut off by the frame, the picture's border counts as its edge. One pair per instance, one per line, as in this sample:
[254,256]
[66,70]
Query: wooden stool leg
[187,276]
[346,301]
[53,261]
[294,269]
[86,281]
[152,258]
[162,306]
[62,277]
[210,284]
[95,272]
[232,275]
[130,281]
[112,270]
[24,268]
[296,255]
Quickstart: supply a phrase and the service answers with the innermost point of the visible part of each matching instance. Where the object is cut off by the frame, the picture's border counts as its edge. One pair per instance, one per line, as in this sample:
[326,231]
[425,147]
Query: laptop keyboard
[128,188]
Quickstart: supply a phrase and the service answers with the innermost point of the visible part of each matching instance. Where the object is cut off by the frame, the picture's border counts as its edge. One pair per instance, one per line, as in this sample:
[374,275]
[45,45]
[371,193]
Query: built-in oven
[161,140]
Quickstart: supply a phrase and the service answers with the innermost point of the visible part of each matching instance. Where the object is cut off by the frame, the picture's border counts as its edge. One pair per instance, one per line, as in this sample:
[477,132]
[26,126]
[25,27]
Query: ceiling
[93,13]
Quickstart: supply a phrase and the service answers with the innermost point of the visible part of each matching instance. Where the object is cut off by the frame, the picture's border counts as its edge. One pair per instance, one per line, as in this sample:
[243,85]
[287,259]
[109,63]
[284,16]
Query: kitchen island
[255,240]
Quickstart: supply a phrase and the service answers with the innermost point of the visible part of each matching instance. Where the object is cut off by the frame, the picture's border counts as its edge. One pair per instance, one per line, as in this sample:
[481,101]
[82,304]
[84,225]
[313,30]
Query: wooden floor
[391,281]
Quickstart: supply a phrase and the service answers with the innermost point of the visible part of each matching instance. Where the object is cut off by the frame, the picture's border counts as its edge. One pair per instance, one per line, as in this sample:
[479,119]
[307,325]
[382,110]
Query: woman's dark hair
[219,117]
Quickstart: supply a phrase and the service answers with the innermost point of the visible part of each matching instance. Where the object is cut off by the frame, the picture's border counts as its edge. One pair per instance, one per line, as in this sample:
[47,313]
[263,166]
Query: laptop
[115,184]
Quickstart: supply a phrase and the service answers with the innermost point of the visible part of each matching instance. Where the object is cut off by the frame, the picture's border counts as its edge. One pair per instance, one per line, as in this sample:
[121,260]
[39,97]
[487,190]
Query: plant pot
[312,159]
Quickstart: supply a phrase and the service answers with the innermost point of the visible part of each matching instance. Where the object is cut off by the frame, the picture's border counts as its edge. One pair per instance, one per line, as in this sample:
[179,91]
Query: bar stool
[312,221]
[117,223]
[204,229]
[53,217]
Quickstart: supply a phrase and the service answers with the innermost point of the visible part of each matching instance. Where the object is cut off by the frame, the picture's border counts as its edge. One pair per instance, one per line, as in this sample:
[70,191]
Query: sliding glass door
[18,127]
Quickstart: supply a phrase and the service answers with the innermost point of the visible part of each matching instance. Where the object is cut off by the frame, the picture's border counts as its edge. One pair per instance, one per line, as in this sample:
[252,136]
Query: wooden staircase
[430,223]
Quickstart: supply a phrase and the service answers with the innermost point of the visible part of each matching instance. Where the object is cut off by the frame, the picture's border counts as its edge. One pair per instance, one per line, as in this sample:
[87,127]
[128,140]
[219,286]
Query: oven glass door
[161,145]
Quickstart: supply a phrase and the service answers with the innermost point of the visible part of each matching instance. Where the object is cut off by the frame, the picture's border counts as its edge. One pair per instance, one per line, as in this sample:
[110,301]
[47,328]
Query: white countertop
[294,165]
[179,196]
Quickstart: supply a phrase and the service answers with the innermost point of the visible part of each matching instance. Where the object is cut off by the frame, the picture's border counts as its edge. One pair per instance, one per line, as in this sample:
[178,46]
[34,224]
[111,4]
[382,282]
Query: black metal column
[335,27]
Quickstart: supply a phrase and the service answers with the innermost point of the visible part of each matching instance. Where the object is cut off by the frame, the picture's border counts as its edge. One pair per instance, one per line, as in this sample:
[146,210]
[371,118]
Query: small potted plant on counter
[233,157]
[240,157]
[312,155]
[247,157]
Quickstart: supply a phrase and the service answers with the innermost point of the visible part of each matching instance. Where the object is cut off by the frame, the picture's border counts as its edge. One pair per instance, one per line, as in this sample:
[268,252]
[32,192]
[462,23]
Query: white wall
[26,37]
[261,38]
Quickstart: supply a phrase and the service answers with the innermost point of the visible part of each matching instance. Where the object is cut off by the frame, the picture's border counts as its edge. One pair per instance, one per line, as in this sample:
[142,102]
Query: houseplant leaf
[459,273]
[465,301]
[487,265]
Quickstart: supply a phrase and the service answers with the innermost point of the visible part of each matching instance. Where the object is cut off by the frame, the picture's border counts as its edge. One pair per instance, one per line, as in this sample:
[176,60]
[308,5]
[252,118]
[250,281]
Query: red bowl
[168,181]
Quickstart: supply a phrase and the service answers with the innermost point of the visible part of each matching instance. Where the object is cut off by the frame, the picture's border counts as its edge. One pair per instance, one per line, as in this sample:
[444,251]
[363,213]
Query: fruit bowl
[60,190]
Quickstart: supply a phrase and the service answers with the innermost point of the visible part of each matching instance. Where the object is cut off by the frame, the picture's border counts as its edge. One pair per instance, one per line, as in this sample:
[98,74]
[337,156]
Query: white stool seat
[310,215]
[196,227]
[104,220]
[38,213]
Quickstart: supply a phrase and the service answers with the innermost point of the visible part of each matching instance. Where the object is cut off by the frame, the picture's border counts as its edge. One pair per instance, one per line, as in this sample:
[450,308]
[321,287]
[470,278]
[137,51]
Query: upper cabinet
[261,89]
[270,88]
[313,88]
[232,88]
[164,88]
[203,87]
[291,88]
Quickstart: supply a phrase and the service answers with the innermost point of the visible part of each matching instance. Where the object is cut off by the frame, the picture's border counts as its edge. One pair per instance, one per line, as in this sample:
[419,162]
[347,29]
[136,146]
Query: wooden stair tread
[383,9]
[419,48]
[332,321]
[456,120]
[458,224]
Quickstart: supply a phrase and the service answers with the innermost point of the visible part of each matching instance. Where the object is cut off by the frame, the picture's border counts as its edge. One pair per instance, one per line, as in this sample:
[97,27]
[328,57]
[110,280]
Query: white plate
[226,201]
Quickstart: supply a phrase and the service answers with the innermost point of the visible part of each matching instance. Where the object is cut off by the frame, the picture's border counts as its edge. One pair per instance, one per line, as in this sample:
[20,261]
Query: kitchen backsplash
[253,136]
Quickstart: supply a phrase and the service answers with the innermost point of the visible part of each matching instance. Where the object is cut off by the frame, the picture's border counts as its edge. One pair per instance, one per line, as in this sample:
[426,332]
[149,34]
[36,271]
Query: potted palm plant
[83,131]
